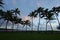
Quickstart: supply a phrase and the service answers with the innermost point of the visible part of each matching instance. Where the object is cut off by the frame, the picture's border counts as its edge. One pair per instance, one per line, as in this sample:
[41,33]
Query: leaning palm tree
[55,11]
[49,17]
[32,15]
[45,15]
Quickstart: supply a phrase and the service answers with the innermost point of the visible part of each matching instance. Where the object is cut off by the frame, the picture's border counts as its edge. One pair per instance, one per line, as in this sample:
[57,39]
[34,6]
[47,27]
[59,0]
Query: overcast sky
[27,6]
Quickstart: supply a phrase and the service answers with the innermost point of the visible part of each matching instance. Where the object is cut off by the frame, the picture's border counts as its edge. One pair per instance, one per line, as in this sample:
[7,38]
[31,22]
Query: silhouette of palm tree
[16,11]
[26,23]
[8,17]
[39,12]
[49,16]
[14,17]
[32,15]
[2,13]
[56,11]
[18,21]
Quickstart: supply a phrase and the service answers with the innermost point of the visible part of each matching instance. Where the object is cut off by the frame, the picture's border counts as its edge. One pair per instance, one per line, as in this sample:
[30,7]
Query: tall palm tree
[49,16]
[39,12]
[2,16]
[32,15]
[8,17]
[15,12]
[45,15]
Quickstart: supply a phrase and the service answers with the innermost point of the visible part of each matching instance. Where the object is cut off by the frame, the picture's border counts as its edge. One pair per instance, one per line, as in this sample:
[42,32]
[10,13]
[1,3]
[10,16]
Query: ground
[29,36]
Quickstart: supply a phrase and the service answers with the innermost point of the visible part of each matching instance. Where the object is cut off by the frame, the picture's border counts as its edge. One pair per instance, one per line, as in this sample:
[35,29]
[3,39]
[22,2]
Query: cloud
[14,2]
[26,18]
[38,4]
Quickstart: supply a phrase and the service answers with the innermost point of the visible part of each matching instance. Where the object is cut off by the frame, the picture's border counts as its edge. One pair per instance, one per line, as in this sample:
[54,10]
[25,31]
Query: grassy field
[28,36]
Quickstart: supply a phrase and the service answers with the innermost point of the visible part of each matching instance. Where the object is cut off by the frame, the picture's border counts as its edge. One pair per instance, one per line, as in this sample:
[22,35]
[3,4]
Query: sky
[27,6]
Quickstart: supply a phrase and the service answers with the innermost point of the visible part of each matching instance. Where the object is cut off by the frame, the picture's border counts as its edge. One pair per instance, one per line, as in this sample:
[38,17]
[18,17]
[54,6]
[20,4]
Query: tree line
[12,16]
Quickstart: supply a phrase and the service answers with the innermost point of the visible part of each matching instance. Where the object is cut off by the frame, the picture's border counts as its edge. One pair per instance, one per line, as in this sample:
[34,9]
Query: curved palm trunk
[51,26]
[57,19]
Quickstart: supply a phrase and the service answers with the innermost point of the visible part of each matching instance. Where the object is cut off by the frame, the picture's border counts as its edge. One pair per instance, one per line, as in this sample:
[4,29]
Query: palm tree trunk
[57,19]
[51,26]
[32,23]
[6,24]
[17,26]
[12,26]
[46,25]
[39,23]
[26,27]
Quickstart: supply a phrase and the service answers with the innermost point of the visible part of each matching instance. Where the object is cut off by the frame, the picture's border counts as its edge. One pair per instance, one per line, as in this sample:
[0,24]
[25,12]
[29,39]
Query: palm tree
[16,11]
[18,21]
[32,15]
[2,16]
[49,16]
[39,12]
[45,15]
[55,11]
[26,23]
[14,18]
[8,17]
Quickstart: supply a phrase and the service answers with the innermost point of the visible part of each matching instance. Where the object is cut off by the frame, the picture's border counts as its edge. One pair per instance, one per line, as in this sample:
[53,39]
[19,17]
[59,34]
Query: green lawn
[28,36]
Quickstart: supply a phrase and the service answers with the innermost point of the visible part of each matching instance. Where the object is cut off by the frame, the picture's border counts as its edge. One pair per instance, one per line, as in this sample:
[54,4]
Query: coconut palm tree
[26,23]
[2,16]
[16,11]
[39,12]
[14,17]
[55,11]
[18,21]
[49,16]
[45,15]
[32,15]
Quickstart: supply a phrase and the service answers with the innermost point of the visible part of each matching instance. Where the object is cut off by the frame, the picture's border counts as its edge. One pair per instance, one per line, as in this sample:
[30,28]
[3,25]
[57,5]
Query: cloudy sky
[27,6]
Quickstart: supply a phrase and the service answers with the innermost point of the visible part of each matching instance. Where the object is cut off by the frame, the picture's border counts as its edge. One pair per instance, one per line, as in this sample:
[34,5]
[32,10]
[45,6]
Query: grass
[28,36]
